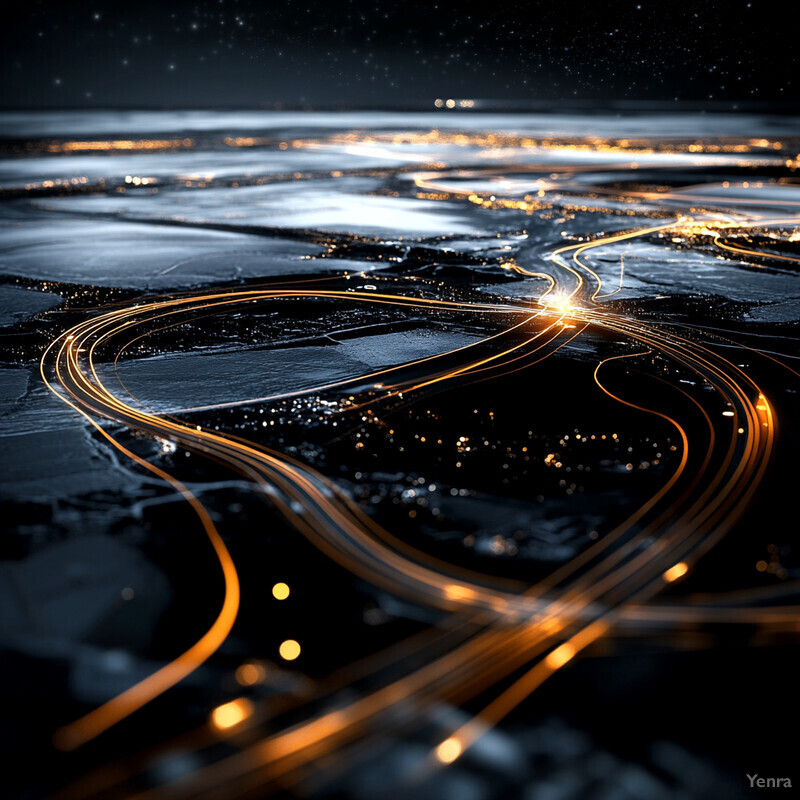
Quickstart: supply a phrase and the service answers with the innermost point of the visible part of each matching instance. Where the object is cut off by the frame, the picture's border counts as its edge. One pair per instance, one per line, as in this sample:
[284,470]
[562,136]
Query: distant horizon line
[440,106]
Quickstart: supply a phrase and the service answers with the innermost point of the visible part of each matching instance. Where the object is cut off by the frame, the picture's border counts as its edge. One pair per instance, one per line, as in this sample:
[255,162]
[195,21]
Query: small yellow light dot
[678,571]
[289,650]
[280,591]
[230,714]
[449,750]
[761,566]
[560,656]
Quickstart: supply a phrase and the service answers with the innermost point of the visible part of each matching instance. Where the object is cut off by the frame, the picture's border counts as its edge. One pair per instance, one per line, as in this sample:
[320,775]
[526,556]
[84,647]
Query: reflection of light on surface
[280,591]
[560,656]
[449,750]
[138,181]
[119,144]
[560,303]
[229,714]
[167,446]
[289,650]
[678,571]
[249,674]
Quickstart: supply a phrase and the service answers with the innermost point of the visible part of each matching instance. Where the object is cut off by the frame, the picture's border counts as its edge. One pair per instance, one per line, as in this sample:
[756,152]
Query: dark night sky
[246,53]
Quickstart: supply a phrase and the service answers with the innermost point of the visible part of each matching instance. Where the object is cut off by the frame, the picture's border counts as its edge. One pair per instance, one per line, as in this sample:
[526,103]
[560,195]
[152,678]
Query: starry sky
[404,53]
